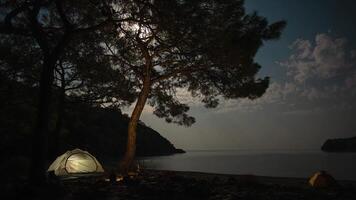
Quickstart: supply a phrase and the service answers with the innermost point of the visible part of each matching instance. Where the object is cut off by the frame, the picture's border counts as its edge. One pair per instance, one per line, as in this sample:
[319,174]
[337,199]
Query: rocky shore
[156,185]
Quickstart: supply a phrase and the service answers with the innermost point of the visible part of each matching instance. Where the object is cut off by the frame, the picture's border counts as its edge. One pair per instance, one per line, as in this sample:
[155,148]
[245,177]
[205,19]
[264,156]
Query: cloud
[326,57]
[324,69]
[274,95]
[330,56]
[320,74]
[353,54]
[350,82]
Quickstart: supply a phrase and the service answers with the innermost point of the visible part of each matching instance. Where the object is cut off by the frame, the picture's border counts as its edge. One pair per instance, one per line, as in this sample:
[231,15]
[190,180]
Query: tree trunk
[40,133]
[128,158]
[55,136]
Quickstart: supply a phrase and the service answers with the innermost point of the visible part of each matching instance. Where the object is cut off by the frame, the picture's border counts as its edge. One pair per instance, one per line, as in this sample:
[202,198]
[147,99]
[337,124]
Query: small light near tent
[118,179]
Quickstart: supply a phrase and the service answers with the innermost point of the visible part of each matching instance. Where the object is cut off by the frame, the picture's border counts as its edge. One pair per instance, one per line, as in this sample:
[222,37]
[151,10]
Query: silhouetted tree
[51,25]
[84,74]
[206,47]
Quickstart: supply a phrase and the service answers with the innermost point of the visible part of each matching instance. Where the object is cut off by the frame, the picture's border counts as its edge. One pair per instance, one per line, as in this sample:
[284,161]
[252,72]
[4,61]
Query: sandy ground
[293,182]
[173,185]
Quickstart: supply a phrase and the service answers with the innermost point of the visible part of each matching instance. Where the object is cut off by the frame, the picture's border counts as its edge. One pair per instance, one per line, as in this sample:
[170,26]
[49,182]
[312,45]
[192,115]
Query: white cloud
[321,72]
[330,55]
[304,48]
[318,67]
[326,58]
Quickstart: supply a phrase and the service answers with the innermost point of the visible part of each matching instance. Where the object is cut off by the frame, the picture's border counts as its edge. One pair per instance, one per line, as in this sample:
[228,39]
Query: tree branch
[132,67]
[178,71]
[8,28]
[66,23]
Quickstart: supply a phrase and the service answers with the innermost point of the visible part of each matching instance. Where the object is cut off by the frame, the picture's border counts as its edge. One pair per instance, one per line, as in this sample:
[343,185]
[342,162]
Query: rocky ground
[156,185]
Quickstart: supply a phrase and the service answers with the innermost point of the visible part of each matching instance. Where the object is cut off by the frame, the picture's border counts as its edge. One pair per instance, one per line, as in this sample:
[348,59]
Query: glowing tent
[75,162]
[322,179]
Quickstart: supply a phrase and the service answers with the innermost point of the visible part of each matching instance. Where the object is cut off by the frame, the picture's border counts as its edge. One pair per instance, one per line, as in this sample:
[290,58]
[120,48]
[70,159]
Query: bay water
[277,163]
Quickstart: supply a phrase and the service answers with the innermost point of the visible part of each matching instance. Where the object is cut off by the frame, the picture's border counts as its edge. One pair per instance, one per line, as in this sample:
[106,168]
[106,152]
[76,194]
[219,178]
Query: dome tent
[322,179]
[75,162]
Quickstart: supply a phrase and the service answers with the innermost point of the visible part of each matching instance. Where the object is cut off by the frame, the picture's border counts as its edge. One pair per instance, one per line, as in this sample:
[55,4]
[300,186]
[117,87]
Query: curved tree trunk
[128,158]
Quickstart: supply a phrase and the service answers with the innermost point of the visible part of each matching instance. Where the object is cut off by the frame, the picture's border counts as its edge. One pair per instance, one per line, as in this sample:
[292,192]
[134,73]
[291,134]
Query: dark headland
[340,145]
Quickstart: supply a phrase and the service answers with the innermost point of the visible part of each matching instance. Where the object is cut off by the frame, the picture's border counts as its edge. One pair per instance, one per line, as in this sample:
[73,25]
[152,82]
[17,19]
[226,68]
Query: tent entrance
[80,163]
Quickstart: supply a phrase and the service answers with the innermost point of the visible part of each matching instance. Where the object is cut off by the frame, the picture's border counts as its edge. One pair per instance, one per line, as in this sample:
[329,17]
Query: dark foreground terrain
[157,185]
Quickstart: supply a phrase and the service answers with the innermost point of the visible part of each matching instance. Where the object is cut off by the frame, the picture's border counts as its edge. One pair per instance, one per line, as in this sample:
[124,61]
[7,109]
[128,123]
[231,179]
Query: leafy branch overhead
[207,47]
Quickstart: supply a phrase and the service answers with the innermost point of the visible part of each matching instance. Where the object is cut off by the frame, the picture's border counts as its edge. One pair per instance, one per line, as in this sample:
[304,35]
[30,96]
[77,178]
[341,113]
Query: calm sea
[265,163]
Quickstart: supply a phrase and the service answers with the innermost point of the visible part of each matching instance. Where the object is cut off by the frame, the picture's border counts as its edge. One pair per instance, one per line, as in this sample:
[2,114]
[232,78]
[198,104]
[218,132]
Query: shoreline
[269,180]
[178,185]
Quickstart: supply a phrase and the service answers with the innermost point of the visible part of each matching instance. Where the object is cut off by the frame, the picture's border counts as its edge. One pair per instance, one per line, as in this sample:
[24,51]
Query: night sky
[312,95]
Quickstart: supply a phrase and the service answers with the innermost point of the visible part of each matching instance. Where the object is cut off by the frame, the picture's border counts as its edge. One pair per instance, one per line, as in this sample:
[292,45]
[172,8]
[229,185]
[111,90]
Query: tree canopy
[116,52]
[206,47]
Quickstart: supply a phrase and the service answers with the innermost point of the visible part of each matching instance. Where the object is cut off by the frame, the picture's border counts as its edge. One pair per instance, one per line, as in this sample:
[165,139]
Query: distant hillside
[102,131]
[340,145]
